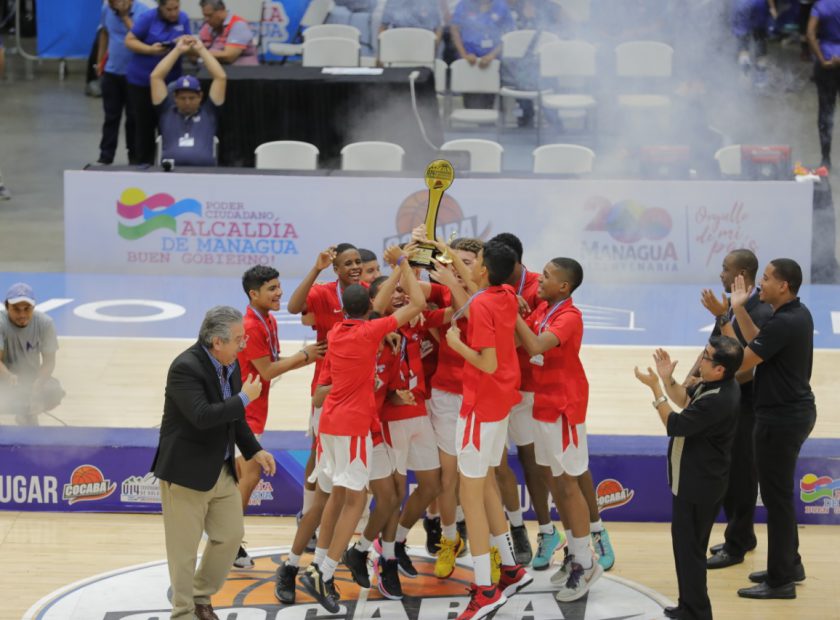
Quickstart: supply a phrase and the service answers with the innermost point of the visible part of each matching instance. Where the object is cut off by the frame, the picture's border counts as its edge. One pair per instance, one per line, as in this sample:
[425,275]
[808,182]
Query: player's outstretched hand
[664,366]
[325,258]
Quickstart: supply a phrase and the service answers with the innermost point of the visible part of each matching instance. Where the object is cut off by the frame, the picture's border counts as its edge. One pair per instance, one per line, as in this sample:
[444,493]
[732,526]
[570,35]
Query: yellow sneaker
[495,565]
[447,552]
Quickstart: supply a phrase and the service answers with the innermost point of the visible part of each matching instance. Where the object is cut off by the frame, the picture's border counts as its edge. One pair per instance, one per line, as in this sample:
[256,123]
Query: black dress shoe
[715,548]
[722,559]
[761,575]
[763,591]
[673,612]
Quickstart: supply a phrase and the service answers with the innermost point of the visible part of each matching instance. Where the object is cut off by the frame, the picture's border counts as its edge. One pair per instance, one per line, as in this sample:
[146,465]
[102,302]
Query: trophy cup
[439,176]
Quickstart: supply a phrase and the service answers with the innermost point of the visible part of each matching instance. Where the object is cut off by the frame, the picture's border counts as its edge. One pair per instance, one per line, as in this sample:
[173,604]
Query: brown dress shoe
[205,612]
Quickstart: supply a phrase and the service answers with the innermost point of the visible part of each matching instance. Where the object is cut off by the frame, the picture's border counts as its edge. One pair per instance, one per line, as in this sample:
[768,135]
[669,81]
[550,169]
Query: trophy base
[423,256]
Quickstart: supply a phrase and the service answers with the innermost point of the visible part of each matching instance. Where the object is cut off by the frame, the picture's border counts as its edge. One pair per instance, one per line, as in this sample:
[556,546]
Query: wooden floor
[41,552]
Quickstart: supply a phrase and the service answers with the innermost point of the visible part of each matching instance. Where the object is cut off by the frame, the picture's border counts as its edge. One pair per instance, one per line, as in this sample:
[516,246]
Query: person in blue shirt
[116,20]
[824,39]
[153,35]
[186,121]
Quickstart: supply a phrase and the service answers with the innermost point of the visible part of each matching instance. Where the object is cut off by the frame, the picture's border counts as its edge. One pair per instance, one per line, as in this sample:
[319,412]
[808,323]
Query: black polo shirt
[700,449]
[783,380]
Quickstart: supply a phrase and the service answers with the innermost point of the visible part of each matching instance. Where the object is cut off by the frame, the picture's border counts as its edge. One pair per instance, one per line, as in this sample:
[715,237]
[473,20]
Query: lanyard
[338,295]
[522,281]
[460,311]
[548,315]
[275,349]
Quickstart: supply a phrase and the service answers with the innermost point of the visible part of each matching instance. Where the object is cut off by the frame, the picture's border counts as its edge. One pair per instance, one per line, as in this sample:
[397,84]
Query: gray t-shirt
[22,346]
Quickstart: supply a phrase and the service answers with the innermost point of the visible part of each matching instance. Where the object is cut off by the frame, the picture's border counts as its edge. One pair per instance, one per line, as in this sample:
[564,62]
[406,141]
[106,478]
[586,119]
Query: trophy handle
[435,197]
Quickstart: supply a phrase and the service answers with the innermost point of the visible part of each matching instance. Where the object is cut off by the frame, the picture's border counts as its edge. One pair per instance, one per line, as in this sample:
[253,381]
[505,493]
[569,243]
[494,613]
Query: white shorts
[521,425]
[343,461]
[480,445]
[314,421]
[413,444]
[381,463]
[548,449]
[237,453]
[444,408]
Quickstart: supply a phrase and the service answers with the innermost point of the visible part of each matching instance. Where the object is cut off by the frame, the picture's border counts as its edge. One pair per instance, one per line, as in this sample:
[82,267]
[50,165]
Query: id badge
[186,141]
[412,382]
[487,43]
[538,360]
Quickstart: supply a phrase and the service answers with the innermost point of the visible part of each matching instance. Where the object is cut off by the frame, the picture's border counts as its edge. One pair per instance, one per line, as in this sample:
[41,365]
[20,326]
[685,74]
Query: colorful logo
[263,492]
[610,493]
[629,221]
[813,488]
[143,214]
[87,484]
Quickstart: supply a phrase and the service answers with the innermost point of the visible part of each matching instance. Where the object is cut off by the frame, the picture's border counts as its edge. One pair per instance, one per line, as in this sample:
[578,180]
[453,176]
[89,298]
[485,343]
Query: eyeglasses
[241,342]
[708,357]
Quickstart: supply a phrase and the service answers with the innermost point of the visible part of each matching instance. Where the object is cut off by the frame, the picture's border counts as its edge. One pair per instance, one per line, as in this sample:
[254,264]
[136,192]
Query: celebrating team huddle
[437,377]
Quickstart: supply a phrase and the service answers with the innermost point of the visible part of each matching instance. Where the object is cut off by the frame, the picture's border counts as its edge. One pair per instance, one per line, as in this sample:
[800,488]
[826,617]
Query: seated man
[186,121]
[228,37]
[27,358]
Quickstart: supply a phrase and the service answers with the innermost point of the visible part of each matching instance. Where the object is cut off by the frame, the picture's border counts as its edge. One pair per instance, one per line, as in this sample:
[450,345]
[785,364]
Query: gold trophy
[439,176]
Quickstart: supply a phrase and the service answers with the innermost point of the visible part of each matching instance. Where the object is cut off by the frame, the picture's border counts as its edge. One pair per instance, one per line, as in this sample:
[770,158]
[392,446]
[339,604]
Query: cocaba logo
[450,219]
[141,214]
[612,494]
[86,485]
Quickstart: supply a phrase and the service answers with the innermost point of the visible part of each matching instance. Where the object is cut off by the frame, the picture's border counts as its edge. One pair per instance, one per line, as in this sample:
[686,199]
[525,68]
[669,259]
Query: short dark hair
[788,270]
[512,241]
[728,353]
[341,248]
[467,244]
[356,302]
[373,291]
[367,255]
[255,277]
[572,268]
[500,261]
[745,259]
[216,5]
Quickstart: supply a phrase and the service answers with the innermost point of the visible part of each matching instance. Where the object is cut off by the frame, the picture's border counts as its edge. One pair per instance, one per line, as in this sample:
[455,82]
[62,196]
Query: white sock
[596,526]
[579,547]
[548,528]
[363,544]
[308,498]
[505,546]
[320,554]
[459,513]
[449,531]
[293,559]
[432,515]
[481,570]
[402,533]
[568,537]
[515,517]
[328,568]
[388,550]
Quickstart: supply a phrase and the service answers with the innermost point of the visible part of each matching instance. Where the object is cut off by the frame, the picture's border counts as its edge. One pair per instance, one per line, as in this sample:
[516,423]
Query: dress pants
[145,123]
[691,526]
[188,513]
[776,451]
[114,101]
[742,491]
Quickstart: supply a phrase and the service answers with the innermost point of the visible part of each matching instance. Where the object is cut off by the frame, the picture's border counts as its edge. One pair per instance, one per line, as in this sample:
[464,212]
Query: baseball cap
[188,82]
[20,292]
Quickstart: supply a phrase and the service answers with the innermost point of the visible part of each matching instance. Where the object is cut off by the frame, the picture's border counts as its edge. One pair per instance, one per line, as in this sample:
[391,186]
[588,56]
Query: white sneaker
[562,575]
[579,582]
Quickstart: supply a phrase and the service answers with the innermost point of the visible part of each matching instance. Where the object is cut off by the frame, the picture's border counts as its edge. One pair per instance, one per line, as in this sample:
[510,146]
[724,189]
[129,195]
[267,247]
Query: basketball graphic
[87,483]
[612,494]
[85,474]
[412,211]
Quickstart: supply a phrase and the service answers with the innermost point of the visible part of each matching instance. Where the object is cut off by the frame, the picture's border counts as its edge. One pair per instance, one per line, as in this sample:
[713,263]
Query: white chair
[472,79]
[332,31]
[563,159]
[331,52]
[515,45]
[407,47]
[372,156]
[286,155]
[571,65]
[729,160]
[576,10]
[316,14]
[645,61]
[441,70]
[485,155]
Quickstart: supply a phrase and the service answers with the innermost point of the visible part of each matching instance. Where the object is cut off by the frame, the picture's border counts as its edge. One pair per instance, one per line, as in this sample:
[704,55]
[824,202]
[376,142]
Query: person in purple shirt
[153,35]
[824,39]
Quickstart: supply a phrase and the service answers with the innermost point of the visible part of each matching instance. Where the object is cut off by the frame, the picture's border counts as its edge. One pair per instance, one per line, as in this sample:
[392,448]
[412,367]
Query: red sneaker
[484,601]
[513,579]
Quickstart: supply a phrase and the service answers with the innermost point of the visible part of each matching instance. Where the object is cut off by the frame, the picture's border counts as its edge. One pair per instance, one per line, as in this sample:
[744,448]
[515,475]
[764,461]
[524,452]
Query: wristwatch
[659,401]
[721,320]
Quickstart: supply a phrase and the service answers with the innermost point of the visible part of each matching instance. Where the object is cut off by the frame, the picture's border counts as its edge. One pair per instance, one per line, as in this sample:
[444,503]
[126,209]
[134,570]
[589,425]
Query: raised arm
[157,79]
[297,302]
[218,86]
[665,369]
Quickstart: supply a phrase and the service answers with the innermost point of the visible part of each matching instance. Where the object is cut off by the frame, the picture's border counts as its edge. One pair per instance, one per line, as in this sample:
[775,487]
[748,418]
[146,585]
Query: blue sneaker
[547,544]
[603,547]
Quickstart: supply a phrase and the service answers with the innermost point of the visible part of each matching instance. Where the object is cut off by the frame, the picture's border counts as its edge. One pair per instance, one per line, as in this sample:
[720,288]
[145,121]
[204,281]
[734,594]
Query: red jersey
[441,297]
[406,373]
[450,365]
[350,407]
[561,387]
[263,341]
[492,324]
[527,288]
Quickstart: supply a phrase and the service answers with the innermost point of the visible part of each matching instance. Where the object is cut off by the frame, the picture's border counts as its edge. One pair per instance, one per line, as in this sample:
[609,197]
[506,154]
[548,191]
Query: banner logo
[140,490]
[144,214]
[87,484]
[629,221]
[610,493]
[822,489]
[450,219]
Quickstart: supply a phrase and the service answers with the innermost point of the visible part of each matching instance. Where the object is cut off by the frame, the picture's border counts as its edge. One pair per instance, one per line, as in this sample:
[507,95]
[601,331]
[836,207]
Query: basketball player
[370,266]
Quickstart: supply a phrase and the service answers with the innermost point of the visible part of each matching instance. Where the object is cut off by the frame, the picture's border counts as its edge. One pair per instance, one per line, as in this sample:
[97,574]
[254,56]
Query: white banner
[220,224]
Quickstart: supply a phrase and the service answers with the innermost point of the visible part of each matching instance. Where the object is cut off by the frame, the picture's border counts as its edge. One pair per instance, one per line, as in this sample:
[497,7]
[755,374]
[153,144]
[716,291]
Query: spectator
[805,7]
[751,19]
[228,37]
[824,39]
[187,123]
[117,19]
[423,14]
[476,29]
[356,13]
[27,358]
[154,33]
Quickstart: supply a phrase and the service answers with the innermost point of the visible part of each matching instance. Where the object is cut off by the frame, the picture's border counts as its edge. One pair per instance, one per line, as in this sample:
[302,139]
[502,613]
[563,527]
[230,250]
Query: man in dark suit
[203,417]
[698,460]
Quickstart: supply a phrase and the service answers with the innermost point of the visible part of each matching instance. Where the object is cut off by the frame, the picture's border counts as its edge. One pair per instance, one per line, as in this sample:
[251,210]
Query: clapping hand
[740,292]
[664,366]
[649,378]
[252,387]
[717,307]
